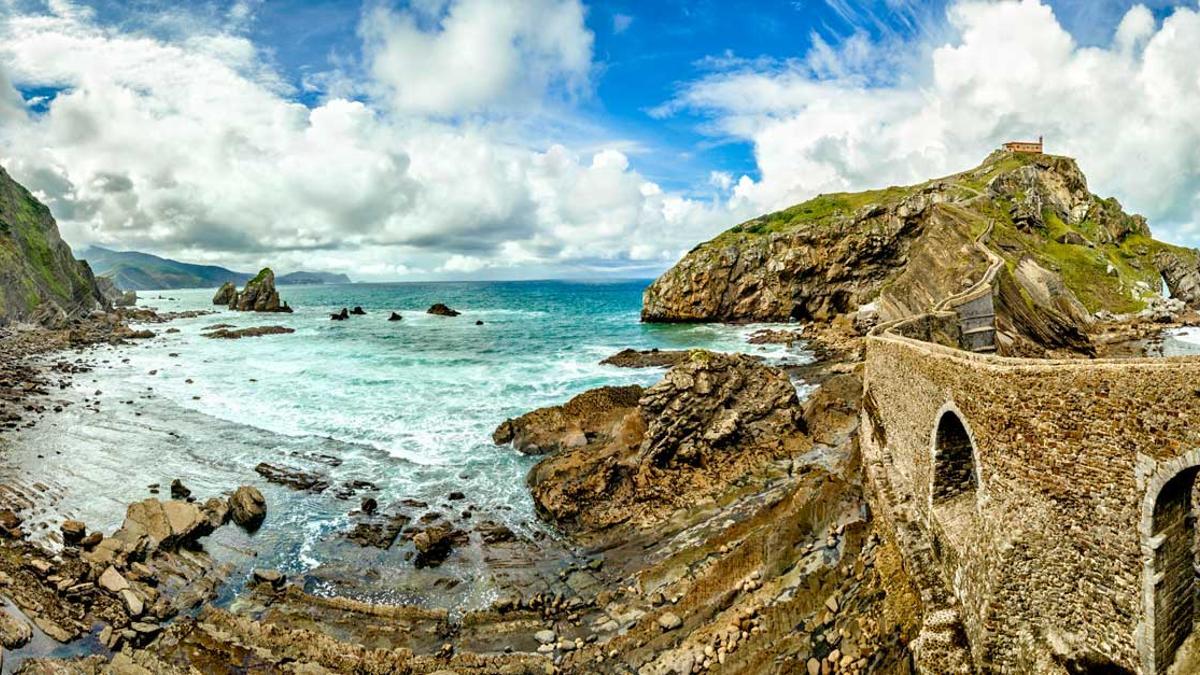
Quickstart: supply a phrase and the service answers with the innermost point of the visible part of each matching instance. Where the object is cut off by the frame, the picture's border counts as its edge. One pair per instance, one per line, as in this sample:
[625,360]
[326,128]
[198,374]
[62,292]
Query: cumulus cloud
[1009,70]
[196,148]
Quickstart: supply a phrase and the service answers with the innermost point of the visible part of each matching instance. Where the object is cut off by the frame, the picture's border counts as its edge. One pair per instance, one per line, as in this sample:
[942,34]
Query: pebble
[669,621]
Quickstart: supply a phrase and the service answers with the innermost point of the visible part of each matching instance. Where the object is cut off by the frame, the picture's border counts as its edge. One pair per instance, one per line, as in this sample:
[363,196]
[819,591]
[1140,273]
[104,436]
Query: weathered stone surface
[259,295]
[248,507]
[709,422]
[293,478]
[226,294]
[73,531]
[647,358]
[254,331]
[440,309]
[593,413]
[14,632]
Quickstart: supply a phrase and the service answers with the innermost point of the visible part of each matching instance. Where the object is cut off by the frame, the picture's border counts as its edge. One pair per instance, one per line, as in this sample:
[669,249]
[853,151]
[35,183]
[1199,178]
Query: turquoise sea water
[408,406]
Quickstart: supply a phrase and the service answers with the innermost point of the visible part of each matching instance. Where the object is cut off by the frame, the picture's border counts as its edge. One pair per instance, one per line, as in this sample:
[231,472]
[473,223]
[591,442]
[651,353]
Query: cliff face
[1067,255]
[40,280]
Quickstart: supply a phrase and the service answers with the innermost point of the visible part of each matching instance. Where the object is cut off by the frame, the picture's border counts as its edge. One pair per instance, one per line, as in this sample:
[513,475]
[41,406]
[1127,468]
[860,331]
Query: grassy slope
[1085,270]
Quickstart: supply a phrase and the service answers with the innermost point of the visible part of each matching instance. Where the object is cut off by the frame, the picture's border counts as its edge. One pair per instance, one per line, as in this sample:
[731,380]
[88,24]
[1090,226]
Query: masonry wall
[1054,546]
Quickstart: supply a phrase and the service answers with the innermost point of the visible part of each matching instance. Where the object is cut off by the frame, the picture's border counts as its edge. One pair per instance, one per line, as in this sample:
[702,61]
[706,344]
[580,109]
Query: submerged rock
[293,478]
[593,413]
[433,545]
[395,317]
[340,316]
[256,331]
[179,490]
[248,507]
[358,311]
[441,310]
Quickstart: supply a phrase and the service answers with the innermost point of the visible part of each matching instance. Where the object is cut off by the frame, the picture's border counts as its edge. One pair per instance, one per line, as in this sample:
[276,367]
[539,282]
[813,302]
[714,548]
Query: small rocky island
[258,295]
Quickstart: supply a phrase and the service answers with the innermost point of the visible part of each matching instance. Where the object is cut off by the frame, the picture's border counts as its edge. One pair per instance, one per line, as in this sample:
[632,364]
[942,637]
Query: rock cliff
[1068,254]
[40,280]
[259,295]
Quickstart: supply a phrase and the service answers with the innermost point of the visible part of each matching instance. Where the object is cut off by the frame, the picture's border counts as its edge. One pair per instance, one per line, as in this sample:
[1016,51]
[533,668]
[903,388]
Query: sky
[510,139]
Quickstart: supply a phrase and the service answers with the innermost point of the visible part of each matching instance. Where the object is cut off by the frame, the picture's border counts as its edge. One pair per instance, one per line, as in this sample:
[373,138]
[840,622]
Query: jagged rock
[226,294]
[775,337]
[707,423]
[14,632]
[395,317]
[1181,272]
[113,295]
[369,505]
[441,310]
[649,358]
[259,295]
[10,524]
[293,478]
[248,507]
[216,511]
[179,490]
[592,413]
[340,316]
[73,531]
[358,311]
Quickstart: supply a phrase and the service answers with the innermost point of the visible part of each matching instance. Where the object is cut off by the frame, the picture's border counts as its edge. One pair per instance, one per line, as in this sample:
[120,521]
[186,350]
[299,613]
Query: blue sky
[507,138]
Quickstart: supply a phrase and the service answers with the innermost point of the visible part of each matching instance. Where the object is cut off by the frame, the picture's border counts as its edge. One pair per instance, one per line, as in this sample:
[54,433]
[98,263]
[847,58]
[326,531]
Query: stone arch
[955,467]
[1169,554]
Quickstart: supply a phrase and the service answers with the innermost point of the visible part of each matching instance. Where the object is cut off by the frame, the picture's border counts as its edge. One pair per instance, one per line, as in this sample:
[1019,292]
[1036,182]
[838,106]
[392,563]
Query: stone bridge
[1044,506]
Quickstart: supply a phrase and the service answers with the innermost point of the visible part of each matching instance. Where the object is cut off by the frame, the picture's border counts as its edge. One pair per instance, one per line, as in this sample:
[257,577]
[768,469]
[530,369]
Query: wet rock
[395,317]
[595,413]
[369,505]
[179,490]
[492,532]
[455,496]
[91,541]
[14,632]
[648,358]
[358,311]
[293,478]
[216,512]
[775,337]
[226,294]
[441,310]
[73,531]
[379,531]
[340,316]
[479,323]
[273,577]
[433,546]
[248,507]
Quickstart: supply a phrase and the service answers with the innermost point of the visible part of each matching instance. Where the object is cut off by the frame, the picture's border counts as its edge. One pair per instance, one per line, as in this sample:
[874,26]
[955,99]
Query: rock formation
[648,358]
[226,294]
[1068,255]
[711,421]
[259,295]
[592,414]
[113,295]
[255,331]
[439,309]
[40,279]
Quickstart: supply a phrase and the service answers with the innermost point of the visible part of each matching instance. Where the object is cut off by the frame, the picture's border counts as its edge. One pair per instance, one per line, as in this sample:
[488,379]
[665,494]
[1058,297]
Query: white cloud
[621,23]
[1126,111]
[195,148]
[481,53]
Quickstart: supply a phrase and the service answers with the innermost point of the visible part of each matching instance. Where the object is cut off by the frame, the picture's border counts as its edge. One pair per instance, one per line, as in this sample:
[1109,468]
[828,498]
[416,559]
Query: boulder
[710,422]
[433,545]
[441,310]
[216,512]
[10,524]
[594,413]
[293,478]
[14,632]
[248,507]
[358,311]
[259,295]
[273,577]
[226,294]
[179,490]
[395,317]
[73,531]
[340,316]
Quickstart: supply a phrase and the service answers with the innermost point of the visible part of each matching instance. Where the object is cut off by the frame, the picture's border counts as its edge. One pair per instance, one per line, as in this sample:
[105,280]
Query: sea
[407,406]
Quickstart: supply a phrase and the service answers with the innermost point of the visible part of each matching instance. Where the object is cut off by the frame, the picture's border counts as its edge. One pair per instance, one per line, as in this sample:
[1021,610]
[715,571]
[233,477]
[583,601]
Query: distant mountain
[134,271]
[308,278]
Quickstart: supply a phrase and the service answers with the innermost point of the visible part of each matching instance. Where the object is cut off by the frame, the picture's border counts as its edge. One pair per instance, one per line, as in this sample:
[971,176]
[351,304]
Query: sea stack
[259,295]
[226,294]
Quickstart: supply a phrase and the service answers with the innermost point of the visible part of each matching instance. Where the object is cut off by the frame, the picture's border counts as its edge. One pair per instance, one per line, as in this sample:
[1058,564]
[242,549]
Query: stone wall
[1054,551]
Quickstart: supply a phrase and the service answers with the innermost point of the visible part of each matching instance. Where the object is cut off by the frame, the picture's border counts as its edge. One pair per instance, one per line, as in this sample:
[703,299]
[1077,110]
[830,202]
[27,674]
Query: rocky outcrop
[259,295]
[255,331]
[1181,272]
[710,422]
[438,309]
[40,279]
[226,294]
[248,507]
[591,415]
[1069,254]
[646,358]
[113,295]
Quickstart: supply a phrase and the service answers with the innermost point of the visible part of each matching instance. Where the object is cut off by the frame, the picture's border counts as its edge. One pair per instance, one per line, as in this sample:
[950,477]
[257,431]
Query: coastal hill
[135,271]
[1068,255]
[40,280]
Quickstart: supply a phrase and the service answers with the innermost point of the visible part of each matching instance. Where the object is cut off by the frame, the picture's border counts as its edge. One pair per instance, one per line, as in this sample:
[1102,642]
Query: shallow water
[408,406]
